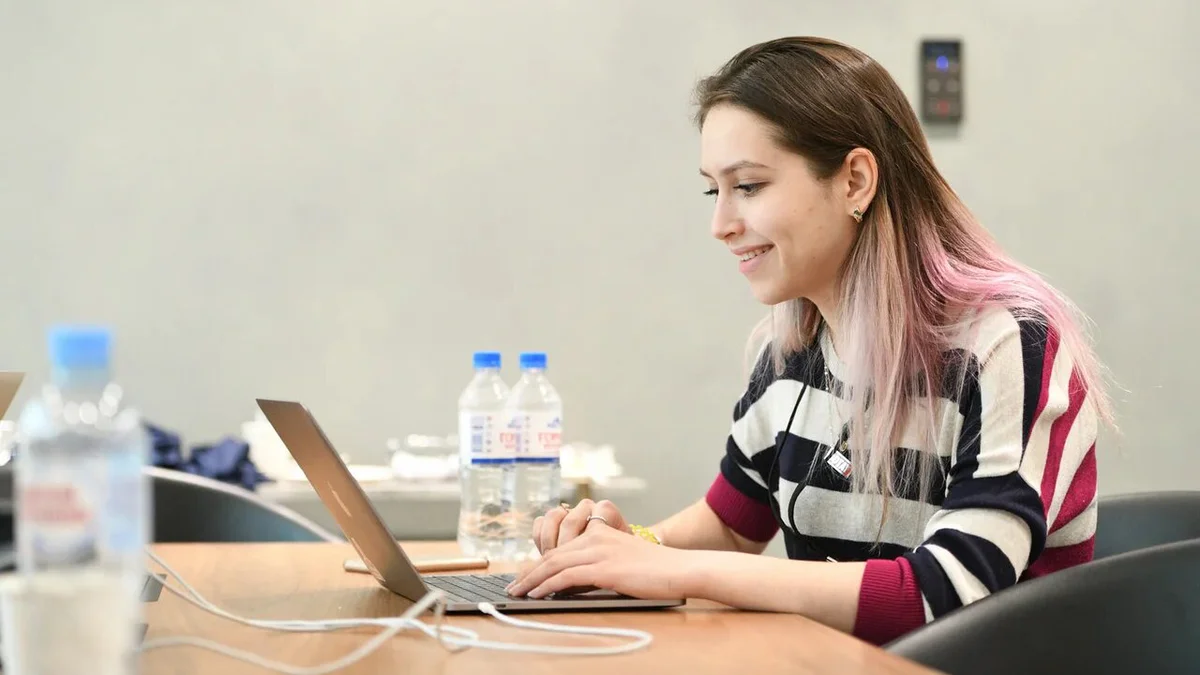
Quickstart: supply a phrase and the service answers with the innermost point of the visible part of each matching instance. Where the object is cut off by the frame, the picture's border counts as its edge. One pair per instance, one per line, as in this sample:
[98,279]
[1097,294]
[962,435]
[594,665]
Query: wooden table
[306,581]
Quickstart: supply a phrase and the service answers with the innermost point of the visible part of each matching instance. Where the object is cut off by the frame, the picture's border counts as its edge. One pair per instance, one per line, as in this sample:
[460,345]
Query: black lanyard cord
[773,477]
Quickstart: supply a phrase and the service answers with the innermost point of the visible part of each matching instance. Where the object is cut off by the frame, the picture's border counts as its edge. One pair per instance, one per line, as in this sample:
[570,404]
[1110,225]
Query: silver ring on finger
[591,518]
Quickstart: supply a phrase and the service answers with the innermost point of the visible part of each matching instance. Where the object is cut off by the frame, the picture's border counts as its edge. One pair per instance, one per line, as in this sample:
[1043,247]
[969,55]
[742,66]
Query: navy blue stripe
[741,482]
[979,556]
[798,456]
[970,406]
[1008,493]
[760,378]
[760,463]
[935,585]
[1033,359]
[806,367]
[842,550]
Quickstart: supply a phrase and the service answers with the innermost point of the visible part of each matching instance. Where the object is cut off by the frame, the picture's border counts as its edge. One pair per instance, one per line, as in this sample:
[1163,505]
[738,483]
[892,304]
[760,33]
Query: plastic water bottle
[485,478]
[535,412]
[82,513]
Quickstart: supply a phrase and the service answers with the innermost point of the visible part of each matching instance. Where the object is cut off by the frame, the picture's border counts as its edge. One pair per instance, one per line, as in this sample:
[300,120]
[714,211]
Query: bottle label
[82,511]
[510,436]
[480,438]
[540,436]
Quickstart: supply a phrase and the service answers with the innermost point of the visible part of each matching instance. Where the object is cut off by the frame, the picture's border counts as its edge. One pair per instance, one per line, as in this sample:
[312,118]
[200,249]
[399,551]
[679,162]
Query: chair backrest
[1130,613]
[189,508]
[1130,522]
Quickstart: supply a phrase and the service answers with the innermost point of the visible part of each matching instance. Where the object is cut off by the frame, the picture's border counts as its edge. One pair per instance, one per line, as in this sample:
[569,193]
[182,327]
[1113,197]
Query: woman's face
[788,231]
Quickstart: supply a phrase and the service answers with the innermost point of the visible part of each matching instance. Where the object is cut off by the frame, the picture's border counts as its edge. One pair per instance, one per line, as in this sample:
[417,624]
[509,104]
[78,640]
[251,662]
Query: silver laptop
[380,552]
[9,384]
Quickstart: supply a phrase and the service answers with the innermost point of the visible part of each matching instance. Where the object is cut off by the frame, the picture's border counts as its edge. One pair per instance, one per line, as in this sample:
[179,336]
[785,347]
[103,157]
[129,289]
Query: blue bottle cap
[80,347]
[486,360]
[533,360]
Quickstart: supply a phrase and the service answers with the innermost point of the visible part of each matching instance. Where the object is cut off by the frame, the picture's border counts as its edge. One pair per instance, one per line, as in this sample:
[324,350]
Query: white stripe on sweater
[1078,530]
[1001,390]
[855,517]
[1006,530]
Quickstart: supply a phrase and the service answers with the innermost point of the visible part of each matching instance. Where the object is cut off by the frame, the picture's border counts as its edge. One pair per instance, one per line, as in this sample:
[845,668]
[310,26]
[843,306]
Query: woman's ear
[861,174]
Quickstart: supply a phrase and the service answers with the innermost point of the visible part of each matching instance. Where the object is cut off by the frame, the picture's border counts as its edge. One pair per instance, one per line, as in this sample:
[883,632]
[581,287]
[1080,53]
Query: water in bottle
[535,413]
[485,517]
[82,514]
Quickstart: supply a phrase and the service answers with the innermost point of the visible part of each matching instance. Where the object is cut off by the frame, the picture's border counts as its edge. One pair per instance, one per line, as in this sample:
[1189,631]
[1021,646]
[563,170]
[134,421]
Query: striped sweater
[1015,497]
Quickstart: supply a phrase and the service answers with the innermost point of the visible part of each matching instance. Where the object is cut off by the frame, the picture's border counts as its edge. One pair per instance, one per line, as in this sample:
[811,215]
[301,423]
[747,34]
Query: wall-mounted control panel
[941,70]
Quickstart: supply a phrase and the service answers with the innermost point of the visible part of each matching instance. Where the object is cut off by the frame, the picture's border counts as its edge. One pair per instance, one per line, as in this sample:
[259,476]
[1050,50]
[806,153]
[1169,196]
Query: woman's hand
[607,558]
[562,525]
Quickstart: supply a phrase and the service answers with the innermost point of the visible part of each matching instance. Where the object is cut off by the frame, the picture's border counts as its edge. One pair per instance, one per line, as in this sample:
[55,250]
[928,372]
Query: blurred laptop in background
[9,384]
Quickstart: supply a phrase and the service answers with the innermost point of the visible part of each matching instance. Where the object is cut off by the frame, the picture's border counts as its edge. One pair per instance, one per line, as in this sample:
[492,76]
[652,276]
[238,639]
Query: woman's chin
[768,294]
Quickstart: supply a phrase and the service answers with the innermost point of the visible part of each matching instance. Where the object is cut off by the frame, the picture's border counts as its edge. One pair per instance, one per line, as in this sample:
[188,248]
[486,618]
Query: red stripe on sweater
[1058,437]
[889,601]
[1081,493]
[745,516]
[1060,558]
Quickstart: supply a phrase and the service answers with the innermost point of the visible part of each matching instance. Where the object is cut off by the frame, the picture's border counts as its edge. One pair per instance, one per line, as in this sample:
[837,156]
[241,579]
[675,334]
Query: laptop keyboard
[473,587]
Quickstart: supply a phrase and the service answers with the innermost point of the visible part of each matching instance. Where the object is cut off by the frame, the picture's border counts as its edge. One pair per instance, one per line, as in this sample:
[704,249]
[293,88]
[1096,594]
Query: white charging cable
[451,638]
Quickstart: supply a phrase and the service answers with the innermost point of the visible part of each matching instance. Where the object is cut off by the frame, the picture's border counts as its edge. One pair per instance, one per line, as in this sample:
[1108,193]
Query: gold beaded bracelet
[644,533]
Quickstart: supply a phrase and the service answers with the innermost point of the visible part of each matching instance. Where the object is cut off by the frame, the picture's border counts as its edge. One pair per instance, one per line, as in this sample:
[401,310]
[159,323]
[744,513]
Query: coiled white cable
[451,638]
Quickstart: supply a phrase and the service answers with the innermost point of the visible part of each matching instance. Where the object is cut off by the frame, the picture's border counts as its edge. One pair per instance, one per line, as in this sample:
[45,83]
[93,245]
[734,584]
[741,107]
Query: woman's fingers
[575,522]
[551,565]
[536,531]
[611,516]
[547,539]
[571,581]
[565,524]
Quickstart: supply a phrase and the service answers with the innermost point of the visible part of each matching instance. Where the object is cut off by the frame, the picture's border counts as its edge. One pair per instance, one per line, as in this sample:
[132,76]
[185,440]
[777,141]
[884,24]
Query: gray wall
[337,202]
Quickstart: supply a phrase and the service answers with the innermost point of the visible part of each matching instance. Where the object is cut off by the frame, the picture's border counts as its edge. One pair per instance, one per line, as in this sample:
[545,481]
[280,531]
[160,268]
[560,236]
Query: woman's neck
[827,305]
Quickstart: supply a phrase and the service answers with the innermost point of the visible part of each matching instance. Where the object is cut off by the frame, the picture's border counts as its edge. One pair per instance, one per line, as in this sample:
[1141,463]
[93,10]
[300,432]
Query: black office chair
[189,508]
[1130,522]
[1138,612]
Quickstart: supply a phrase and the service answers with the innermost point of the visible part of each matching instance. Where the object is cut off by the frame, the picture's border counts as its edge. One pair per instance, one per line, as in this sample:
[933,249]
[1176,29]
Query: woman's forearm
[697,527]
[823,591]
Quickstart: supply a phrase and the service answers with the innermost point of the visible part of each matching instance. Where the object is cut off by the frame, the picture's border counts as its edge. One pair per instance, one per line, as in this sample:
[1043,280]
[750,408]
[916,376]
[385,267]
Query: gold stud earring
[857,215]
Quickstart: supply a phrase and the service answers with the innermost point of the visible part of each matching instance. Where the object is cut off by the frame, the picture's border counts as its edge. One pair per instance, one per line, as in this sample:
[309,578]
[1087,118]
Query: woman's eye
[746,189]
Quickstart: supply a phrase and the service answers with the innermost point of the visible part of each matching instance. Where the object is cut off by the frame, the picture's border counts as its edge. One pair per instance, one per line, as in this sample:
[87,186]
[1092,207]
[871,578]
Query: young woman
[922,416]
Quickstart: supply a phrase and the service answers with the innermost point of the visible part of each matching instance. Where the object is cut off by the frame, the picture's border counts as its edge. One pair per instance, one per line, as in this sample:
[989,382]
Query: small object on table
[424,458]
